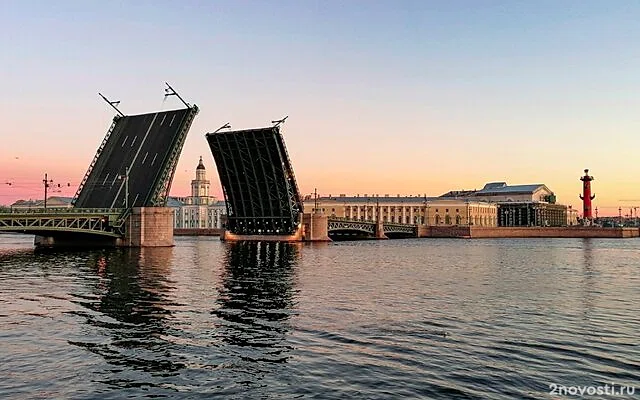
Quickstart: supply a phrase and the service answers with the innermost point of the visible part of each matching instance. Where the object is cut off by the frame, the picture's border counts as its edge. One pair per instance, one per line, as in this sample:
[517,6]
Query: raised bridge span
[131,173]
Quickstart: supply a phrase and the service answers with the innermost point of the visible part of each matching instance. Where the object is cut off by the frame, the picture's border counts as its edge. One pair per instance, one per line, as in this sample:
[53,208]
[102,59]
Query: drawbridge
[133,167]
[258,182]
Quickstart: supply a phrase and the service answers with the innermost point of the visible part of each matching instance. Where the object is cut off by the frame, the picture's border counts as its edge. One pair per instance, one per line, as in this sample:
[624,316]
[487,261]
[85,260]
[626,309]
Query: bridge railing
[63,210]
[369,221]
[350,219]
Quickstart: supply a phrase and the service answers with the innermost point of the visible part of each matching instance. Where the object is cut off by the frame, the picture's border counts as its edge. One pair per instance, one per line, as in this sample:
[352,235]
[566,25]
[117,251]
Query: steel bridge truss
[349,225]
[400,228]
[258,182]
[88,221]
[369,227]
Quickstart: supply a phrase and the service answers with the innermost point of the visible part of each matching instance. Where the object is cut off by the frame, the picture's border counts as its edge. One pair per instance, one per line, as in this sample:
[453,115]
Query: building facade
[531,214]
[432,211]
[521,205]
[200,210]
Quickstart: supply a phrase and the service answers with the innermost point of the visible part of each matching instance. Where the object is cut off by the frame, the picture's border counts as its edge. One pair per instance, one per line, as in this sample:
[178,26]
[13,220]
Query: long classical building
[405,209]
[496,204]
[200,210]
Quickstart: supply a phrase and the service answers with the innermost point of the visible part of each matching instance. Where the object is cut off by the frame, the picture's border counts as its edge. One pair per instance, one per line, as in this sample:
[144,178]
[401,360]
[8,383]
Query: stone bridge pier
[148,227]
[315,227]
[380,231]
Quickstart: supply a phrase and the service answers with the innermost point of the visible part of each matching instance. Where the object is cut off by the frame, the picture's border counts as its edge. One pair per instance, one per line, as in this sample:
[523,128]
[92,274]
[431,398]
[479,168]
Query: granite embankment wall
[528,232]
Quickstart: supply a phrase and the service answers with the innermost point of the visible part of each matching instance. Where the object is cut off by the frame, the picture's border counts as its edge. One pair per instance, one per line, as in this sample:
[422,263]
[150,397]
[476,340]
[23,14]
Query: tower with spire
[200,187]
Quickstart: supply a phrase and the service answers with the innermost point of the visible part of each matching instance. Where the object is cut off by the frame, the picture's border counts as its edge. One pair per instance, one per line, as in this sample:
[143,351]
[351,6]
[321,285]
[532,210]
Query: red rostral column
[586,195]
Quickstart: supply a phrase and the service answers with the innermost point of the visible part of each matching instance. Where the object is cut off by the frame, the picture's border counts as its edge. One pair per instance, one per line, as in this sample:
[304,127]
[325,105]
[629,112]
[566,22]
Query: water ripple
[434,319]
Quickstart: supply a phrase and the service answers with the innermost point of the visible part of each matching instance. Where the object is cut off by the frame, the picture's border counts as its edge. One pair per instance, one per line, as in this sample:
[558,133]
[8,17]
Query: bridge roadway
[136,161]
[338,224]
[106,222]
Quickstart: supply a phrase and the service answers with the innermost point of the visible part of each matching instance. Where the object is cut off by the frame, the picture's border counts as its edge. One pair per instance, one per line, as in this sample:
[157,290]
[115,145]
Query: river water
[416,318]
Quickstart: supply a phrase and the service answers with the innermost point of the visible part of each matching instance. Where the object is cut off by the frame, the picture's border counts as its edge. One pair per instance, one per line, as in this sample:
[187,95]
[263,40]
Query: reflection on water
[135,311]
[496,319]
[256,296]
[128,309]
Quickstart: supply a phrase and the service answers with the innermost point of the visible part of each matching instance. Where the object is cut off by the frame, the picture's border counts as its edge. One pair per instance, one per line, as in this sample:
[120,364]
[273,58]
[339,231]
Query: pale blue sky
[383,96]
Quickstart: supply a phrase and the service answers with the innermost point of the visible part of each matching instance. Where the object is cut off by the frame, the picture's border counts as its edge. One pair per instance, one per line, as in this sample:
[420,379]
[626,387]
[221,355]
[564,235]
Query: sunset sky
[407,97]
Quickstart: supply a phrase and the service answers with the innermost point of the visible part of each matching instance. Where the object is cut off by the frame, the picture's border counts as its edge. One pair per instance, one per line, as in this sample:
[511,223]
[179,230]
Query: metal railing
[64,210]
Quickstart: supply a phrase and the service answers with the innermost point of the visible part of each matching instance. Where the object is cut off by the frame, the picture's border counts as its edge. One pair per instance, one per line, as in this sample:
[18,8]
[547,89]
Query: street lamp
[126,186]
[620,215]
[47,183]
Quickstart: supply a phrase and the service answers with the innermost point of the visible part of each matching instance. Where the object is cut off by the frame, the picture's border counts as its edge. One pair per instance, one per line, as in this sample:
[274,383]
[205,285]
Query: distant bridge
[337,225]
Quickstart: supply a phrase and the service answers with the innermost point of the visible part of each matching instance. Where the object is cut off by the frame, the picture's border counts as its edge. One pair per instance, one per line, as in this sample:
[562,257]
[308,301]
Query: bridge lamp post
[620,215]
[126,186]
[47,182]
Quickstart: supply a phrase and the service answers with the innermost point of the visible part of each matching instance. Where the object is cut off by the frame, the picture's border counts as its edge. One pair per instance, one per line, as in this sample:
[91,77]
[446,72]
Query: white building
[200,210]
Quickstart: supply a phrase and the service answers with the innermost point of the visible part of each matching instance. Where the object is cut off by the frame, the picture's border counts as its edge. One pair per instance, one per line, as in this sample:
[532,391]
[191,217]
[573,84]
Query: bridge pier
[316,227]
[423,230]
[148,227]
[380,231]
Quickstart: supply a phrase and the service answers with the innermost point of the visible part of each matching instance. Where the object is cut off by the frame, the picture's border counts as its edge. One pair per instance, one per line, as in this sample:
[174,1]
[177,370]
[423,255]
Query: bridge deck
[257,180]
[149,146]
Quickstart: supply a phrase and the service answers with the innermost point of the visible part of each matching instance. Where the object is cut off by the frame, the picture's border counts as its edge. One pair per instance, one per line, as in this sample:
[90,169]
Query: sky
[398,97]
